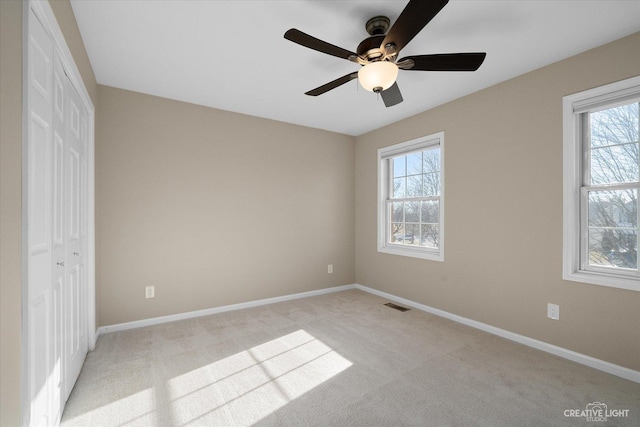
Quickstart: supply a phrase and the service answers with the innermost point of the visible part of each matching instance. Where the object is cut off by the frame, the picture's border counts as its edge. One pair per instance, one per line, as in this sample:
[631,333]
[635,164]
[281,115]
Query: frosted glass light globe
[378,76]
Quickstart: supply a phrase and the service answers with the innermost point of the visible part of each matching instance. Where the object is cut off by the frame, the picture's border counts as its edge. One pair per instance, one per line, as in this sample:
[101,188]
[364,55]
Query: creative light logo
[596,412]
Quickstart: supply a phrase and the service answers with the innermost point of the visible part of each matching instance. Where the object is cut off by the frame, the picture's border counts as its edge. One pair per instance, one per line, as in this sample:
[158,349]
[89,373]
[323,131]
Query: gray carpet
[341,359]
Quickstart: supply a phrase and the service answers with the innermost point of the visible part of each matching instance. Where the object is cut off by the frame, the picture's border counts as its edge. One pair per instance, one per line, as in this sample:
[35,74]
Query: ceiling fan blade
[332,85]
[446,62]
[311,42]
[392,96]
[414,17]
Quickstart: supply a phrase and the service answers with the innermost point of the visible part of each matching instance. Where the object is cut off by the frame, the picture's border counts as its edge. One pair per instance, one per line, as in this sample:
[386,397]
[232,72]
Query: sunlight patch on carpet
[250,385]
[137,408]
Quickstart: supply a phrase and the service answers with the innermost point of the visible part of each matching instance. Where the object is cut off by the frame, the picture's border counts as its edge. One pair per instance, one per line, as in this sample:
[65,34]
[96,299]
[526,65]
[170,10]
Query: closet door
[58,228]
[75,334]
[56,238]
[41,267]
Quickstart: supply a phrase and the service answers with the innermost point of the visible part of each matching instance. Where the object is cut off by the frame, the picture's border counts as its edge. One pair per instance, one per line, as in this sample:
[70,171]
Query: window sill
[603,279]
[412,252]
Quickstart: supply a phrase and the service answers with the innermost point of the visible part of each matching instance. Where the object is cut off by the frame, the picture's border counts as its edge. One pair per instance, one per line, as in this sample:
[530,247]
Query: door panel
[74,193]
[56,345]
[39,362]
[58,189]
[40,50]
[39,181]
[74,299]
[59,255]
[39,227]
[76,344]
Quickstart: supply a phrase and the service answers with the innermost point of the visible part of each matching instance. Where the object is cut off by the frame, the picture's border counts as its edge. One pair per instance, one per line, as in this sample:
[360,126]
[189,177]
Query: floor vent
[397,307]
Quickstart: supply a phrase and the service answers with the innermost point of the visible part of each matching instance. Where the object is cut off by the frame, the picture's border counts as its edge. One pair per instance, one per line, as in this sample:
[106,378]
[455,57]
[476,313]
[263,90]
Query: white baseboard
[610,368]
[601,365]
[215,310]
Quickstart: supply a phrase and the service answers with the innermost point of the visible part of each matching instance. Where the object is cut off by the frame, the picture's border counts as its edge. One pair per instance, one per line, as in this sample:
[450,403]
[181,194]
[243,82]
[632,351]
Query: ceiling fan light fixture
[378,76]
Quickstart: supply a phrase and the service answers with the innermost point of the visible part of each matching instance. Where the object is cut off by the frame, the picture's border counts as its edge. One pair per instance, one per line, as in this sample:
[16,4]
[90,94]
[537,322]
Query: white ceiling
[232,55]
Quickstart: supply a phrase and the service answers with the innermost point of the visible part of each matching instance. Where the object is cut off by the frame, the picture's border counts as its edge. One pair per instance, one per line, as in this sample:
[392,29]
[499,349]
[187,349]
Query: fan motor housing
[370,47]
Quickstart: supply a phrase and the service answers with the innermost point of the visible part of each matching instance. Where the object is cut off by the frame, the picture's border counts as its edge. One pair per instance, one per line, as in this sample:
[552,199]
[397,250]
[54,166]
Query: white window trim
[418,144]
[572,105]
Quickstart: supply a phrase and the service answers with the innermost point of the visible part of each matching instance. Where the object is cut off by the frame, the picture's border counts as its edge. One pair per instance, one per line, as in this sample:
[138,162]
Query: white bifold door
[56,187]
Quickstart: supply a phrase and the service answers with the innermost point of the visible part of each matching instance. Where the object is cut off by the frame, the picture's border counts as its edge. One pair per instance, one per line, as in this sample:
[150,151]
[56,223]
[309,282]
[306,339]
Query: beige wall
[11,17]
[503,256]
[214,207]
[217,208]
[10,209]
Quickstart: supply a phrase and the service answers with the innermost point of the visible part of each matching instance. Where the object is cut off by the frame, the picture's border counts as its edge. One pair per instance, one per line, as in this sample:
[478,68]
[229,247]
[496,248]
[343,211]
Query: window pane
[399,188]
[431,184]
[397,212]
[430,235]
[397,232]
[412,234]
[412,213]
[613,248]
[414,164]
[615,208]
[430,211]
[431,160]
[617,125]
[414,186]
[403,234]
[399,168]
[618,163]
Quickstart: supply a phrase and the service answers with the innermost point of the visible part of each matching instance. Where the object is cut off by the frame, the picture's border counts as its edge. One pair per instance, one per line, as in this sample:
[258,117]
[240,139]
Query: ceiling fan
[378,53]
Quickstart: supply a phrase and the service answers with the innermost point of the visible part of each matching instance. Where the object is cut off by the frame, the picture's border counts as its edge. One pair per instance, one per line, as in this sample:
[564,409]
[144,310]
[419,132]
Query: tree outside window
[612,186]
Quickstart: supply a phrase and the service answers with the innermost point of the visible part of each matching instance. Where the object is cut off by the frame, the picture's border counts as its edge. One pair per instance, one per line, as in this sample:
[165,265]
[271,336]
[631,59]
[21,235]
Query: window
[601,185]
[411,198]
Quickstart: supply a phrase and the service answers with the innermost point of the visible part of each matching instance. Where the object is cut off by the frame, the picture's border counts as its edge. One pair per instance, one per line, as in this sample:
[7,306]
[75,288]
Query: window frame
[575,194]
[384,156]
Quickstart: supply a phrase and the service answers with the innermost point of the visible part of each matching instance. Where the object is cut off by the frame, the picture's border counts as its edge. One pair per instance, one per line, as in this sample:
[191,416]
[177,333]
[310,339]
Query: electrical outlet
[553,311]
[330,268]
[150,292]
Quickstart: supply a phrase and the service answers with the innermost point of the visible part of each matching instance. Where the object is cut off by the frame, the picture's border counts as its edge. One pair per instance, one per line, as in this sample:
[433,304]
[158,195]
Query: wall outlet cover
[553,311]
